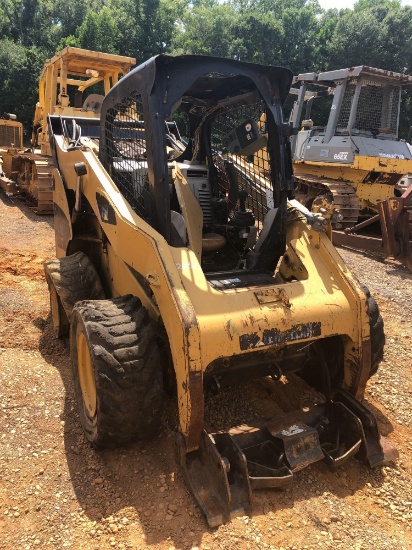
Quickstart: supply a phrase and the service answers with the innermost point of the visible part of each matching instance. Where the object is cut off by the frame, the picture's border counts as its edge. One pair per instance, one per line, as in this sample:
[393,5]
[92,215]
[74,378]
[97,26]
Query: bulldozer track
[343,196]
[34,178]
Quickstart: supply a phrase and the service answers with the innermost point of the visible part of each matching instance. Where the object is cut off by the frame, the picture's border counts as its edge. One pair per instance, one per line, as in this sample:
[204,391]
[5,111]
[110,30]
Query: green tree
[396,32]
[71,13]
[327,26]
[362,5]
[20,68]
[300,30]
[207,31]
[294,33]
[257,38]
[30,22]
[357,40]
[99,32]
[147,27]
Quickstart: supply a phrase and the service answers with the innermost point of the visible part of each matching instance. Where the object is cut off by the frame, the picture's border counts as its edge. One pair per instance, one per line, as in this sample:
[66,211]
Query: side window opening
[226,164]
[218,149]
[126,153]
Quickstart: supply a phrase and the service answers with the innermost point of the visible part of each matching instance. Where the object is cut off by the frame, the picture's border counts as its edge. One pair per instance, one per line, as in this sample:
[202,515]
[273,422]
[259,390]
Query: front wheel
[117,370]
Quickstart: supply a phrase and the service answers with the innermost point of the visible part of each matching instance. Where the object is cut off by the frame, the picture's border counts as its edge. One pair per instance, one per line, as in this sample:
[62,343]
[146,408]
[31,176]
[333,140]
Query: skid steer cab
[171,271]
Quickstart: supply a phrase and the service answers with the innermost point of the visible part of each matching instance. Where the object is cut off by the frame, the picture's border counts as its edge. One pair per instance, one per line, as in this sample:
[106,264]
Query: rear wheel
[70,279]
[377,334]
[117,370]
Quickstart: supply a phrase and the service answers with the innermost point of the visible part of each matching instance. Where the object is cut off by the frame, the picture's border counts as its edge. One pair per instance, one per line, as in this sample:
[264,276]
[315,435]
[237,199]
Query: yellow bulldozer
[65,77]
[355,163]
[171,272]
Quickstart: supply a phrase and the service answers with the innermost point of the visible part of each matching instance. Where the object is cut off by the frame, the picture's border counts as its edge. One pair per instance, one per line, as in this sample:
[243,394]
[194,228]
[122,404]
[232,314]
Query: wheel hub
[86,376]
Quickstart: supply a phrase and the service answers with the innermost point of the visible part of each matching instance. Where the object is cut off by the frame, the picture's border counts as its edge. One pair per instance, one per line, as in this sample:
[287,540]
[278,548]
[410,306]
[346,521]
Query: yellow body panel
[191,210]
[7,158]
[356,172]
[371,193]
[356,175]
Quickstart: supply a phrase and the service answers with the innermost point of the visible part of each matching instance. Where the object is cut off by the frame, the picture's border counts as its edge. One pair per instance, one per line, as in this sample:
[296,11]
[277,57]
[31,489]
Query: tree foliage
[293,33]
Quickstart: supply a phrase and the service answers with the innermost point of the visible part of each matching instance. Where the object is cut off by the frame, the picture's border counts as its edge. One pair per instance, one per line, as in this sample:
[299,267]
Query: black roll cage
[163,80]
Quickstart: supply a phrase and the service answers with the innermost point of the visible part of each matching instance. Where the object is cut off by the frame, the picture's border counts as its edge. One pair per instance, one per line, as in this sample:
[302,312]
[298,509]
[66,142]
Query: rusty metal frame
[395,227]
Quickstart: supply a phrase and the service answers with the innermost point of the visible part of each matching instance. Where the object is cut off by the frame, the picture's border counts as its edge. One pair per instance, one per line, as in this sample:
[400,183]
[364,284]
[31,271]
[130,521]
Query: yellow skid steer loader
[169,268]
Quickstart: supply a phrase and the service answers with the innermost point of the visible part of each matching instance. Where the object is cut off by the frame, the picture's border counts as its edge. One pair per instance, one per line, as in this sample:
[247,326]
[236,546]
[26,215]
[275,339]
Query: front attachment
[217,475]
[227,466]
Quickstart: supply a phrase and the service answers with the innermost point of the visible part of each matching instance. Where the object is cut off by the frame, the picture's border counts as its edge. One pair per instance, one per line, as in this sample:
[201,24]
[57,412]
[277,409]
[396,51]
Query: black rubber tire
[308,203]
[59,317]
[127,370]
[310,374]
[73,278]
[377,334]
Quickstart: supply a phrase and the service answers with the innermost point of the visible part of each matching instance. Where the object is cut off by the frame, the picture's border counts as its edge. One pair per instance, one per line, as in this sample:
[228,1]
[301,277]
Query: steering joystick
[243,217]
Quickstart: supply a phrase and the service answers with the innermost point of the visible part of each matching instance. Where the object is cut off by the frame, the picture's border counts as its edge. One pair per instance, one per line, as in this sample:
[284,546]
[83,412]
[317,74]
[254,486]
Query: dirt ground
[57,492]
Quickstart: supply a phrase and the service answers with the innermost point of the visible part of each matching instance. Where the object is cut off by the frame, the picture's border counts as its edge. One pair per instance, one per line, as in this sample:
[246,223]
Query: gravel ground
[57,492]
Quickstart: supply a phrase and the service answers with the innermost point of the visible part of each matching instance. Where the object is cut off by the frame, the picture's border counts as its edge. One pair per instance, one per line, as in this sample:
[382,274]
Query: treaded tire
[126,368]
[70,279]
[377,334]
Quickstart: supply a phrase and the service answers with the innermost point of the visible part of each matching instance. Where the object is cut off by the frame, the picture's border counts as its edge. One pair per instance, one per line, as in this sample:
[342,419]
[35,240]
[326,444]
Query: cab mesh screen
[377,108]
[10,136]
[233,143]
[126,153]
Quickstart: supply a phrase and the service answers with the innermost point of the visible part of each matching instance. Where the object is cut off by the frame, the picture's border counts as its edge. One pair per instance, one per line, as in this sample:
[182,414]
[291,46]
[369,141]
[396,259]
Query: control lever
[243,217]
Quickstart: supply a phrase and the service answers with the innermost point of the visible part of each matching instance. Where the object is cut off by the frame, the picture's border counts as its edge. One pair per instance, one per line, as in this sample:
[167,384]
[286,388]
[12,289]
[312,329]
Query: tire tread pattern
[377,334]
[127,366]
[74,278]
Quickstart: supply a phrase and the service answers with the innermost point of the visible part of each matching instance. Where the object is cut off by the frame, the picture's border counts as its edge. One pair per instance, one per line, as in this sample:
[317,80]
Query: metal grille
[346,105]
[10,136]
[204,201]
[126,151]
[378,107]
[252,170]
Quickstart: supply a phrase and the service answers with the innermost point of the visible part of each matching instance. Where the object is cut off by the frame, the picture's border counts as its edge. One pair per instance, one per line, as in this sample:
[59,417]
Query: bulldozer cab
[216,107]
[353,162]
[11,140]
[363,118]
[63,81]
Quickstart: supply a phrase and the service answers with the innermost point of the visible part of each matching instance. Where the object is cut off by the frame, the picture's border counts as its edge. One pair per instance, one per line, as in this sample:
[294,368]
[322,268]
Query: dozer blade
[227,467]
